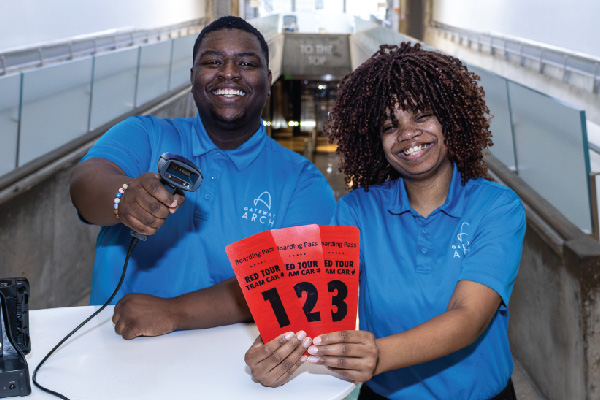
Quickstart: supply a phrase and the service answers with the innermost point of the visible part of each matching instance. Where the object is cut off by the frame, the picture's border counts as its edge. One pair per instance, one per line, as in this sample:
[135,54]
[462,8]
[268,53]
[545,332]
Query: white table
[96,363]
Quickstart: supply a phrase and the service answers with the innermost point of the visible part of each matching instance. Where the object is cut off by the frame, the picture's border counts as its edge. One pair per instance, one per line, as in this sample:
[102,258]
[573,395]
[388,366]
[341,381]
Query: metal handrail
[43,54]
[570,62]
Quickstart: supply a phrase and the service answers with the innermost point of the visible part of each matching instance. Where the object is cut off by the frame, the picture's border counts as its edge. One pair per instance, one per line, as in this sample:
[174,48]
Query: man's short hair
[231,22]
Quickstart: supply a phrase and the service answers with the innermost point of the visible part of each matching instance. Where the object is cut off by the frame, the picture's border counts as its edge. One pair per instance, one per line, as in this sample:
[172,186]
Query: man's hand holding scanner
[146,204]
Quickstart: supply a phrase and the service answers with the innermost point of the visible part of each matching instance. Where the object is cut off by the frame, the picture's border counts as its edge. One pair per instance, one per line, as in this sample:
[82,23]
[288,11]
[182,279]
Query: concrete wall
[554,327]
[41,237]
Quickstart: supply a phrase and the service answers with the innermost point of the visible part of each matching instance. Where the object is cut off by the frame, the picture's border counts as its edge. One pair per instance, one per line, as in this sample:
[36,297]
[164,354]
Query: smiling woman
[439,244]
[413,144]
[413,149]
[410,79]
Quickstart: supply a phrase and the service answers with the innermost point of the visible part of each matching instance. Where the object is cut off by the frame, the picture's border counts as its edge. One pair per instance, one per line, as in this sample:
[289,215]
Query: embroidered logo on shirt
[260,213]
[265,198]
[462,246]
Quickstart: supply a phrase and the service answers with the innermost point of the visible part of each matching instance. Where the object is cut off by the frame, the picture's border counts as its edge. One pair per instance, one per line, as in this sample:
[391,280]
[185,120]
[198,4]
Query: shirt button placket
[423,245]
[210,182]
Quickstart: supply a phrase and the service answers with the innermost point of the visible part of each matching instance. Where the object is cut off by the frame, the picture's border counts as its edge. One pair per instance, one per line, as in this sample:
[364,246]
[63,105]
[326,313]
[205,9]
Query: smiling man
[180,278]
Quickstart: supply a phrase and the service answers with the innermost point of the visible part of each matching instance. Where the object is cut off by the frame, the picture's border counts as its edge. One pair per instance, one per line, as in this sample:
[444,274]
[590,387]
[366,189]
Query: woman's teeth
[415,149]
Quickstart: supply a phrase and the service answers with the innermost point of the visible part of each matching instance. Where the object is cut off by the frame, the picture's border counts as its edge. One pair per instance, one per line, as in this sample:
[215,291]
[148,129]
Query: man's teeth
[415,149]
[229,92]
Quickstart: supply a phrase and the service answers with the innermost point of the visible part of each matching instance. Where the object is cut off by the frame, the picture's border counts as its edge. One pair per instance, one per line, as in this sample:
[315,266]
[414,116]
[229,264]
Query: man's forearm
[93,186]
[221,304]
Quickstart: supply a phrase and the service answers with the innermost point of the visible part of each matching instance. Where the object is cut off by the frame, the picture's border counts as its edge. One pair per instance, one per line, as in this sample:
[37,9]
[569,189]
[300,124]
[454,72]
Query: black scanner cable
[134,241]
[176,172]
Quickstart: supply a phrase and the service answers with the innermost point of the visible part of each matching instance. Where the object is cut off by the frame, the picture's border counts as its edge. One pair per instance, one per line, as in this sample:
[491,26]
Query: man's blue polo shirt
[258,186]
[410,266]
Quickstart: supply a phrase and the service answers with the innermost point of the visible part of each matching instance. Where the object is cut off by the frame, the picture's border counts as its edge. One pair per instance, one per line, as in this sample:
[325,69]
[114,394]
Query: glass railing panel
[552,151]
[268,25]
[113,87]
[376,36]
[153,78]
[55,107]
[182,61]
[496,98]
[10,88]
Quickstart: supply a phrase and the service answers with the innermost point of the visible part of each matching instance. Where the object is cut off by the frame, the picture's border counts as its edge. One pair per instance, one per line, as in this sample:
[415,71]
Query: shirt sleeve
[127,145]
[342,215]
[312,201]
[495,251]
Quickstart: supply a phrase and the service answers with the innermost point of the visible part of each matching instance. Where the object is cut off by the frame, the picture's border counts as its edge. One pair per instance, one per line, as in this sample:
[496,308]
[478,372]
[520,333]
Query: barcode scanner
[175,172]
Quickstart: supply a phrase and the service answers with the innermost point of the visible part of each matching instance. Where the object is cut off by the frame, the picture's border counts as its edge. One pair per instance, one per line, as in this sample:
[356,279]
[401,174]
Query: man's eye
[247,64]
[423,117]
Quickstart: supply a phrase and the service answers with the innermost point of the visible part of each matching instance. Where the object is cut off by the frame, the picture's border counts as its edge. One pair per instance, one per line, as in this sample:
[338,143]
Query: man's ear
[192,75]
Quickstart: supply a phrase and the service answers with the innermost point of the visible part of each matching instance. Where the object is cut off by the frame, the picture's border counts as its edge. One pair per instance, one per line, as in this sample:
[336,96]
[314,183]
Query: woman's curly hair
[416,80]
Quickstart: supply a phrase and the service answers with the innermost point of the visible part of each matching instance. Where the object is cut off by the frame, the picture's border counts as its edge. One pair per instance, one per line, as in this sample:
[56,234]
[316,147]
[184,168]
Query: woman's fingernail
[288,335]
[306,342]
[313,359]
[313,350]
[303,358]
[317,340]
[301,335]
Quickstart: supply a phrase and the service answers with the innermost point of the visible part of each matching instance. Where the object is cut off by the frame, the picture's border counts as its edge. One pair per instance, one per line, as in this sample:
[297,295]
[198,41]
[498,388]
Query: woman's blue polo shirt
[258,186]
[410,266]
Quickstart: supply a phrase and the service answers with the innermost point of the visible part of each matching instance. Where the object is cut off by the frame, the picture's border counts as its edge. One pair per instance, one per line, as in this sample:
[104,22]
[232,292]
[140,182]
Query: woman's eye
[387,128]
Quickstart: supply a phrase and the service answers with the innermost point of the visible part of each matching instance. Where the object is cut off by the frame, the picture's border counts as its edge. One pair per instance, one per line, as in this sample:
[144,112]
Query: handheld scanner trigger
[177,172]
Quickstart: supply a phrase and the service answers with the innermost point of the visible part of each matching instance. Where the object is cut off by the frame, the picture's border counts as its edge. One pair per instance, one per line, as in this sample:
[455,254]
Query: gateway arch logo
[260,211]
[265,198]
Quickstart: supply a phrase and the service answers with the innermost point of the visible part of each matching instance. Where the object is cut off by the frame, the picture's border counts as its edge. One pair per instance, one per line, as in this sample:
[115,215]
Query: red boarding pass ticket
[299,278]
[341,255]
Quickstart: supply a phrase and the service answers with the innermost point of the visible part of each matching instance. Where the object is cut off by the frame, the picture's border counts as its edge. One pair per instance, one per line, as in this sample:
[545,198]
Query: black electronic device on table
[14,333]
[176,173]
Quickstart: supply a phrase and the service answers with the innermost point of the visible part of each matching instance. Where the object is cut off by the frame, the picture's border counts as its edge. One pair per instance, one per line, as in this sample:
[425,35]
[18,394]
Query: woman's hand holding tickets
[352,354]
[274,363]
